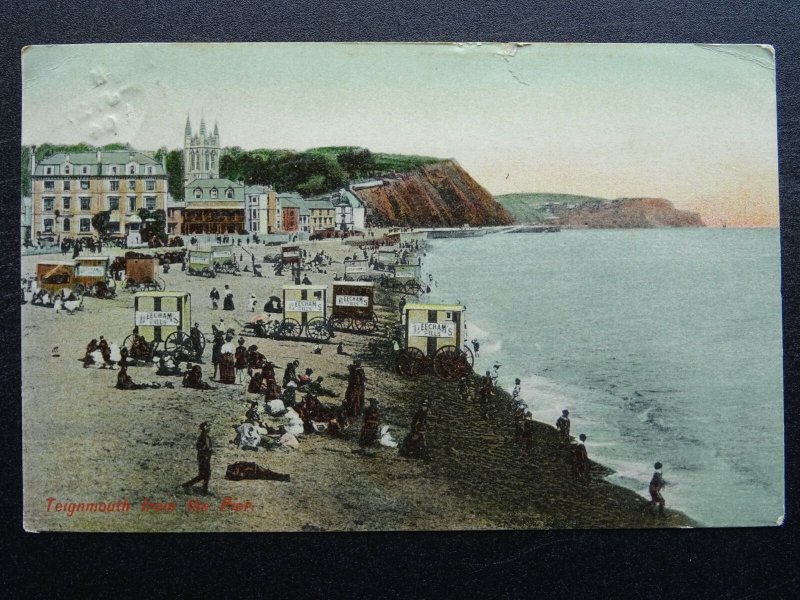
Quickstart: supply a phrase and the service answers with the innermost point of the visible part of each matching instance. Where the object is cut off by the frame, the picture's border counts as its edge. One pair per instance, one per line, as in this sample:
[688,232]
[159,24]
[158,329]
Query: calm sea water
[665,345]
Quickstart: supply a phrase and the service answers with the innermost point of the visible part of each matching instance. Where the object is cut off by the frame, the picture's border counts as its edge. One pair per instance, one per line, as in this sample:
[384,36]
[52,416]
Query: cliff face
[628,213]
[441,194]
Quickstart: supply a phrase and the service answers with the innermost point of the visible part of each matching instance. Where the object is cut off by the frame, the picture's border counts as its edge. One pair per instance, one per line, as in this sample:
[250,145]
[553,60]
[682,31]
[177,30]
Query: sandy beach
[85,441]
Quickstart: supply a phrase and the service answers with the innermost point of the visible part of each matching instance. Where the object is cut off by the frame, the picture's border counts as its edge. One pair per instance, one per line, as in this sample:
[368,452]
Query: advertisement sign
[445,329]
[199,260]
[91,271]
[158,318]
[360,301]
[305,306]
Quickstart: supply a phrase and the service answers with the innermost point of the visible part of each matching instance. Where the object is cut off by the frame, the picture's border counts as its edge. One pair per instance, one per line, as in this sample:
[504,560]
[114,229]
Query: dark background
[733,563]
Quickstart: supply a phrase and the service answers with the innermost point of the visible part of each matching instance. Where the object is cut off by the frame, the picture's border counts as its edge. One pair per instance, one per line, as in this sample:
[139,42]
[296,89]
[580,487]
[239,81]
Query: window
[66,226]
[214,193]
[49,185]
[113,227]
[65,202]
[49,171]
[132,170]
[86,225]
[85,170]
[114,185]
[149,170]
[113,203]
[254,214]
[229,193]
[254,227]
[150,185]
[150,203]
[198,193]
[132,185]
[66,185]
[113,170]
[84,185]
[48,225]
[85,203]
[48,204]
[66,170]
[131,203]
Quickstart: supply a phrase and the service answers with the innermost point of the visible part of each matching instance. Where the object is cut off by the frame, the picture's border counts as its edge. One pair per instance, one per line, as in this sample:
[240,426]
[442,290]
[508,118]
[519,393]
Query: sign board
[355,267]
[91,271]
[158,318]
[360,301]
[200,260]
[291,254]
[305,306]
[445,329]
[222,254]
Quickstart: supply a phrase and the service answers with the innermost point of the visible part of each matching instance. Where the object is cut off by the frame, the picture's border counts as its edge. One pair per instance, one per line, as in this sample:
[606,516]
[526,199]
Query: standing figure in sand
[204,451]
[227,301]
[290,374]
[371,425]
[356,387]
[563,424]
[240,362]
[216,350]
[657,484]
[485,391]
[214,296]
[415,444]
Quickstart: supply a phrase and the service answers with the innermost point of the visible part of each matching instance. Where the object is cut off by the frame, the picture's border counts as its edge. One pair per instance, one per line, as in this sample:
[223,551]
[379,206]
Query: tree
[358,162]
[100,222]
[174,163]
[154,223]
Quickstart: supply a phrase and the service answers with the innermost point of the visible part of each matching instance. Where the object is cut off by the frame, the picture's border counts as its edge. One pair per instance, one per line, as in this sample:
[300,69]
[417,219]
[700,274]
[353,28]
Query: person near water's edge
[657,484]
[204,451]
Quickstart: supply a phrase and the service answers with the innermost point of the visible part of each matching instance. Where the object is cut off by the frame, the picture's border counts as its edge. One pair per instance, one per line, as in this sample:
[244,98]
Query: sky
[695,124]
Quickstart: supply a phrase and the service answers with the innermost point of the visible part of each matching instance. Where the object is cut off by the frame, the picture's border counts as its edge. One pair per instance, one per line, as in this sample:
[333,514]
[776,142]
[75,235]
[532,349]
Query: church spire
[216,130]
[188,131]
[202,125]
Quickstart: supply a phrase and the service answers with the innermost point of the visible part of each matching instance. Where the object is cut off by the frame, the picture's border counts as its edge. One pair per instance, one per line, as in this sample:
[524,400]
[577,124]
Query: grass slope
[527,208]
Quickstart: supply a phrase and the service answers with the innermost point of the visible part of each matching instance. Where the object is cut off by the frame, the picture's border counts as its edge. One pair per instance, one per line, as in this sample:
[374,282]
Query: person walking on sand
[356,387]
[240,362]
[204,451]
[227,301]
[657,484]
[214,296]
[562,424]
[580,459]
[517,390]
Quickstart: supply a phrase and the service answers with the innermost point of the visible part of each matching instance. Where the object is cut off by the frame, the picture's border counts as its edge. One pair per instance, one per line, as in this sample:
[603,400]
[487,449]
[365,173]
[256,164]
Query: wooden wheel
[179,346]
[318,330]
[450,364]
[289,328]
[411,362]
[468,355]
[412,287]
[368,325]
[340,323]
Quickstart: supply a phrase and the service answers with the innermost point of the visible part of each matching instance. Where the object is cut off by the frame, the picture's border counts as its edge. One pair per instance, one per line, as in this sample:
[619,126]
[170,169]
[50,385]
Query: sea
[664,345]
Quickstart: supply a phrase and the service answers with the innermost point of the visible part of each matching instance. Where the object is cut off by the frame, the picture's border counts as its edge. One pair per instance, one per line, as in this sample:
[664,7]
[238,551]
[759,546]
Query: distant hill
[588,212]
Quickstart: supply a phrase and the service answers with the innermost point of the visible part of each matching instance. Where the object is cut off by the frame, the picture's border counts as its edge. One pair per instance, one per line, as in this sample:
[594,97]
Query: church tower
[200,152]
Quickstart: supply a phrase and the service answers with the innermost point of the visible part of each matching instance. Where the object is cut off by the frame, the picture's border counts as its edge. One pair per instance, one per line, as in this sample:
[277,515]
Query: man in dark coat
[204,451]
[290,374]
[415,445]
[580,459]
[356,386]
[193,378]
[657,484]
[240,362]
[216,350]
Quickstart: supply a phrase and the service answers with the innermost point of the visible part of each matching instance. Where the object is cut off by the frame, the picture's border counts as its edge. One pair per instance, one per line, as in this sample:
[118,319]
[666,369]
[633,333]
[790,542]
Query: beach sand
[85,441]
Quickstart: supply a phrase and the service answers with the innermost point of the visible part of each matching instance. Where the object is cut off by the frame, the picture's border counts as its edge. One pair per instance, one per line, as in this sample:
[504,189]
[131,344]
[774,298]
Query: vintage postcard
[375,287]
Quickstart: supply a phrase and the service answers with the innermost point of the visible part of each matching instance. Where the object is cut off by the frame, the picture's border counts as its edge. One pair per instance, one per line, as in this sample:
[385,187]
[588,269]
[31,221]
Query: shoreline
[95,442]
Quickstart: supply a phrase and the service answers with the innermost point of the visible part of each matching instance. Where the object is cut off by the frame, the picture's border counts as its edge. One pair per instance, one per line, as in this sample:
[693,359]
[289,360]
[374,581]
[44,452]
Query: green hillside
[528,208]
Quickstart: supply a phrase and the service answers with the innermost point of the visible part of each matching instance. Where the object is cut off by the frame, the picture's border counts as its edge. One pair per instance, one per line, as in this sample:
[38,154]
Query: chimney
[33,159]
[99,157]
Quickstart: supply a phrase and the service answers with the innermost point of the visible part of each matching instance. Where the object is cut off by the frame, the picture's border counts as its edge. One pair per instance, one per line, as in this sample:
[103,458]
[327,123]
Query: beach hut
[352,307]
[223,259]
[355,268]
[305,310]
[291,255]
[92,276]
[434,336]
[141,274]
[163,320]
[55,276]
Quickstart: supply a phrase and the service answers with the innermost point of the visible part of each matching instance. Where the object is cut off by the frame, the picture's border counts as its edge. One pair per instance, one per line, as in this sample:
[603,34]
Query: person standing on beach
[517,390]
[563,424]
[290,373]
[657,484]
[371,425]
[227,301]
[356,387]
[240,361]
[485,389]
[216,349]
[204,451]
[476,345]
[214,296]
[526,436]
[580,459]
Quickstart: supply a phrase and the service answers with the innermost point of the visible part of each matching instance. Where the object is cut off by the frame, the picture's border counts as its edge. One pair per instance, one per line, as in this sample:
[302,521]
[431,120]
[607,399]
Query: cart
[224,260]
[353,307]
[201,263]
[164,321]
[92,277]
[55,278]
[387,257]
[141,274]
[355,269]
[404,279]
[291,255]
[305,310]
[434,337]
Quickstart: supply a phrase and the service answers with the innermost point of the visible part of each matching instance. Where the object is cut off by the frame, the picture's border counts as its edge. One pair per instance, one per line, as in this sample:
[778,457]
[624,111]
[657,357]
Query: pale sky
[693,124]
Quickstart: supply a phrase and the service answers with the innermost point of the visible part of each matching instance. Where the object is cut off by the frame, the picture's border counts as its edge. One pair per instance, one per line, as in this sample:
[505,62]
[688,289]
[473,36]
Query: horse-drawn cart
[305,315]
[355,269]
[54,278]
[201,263]
[434,337]
[163,323]
[353,307]
[291,255]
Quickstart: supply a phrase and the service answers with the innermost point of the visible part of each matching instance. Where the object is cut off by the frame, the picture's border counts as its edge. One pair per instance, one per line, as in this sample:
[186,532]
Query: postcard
[377,287]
